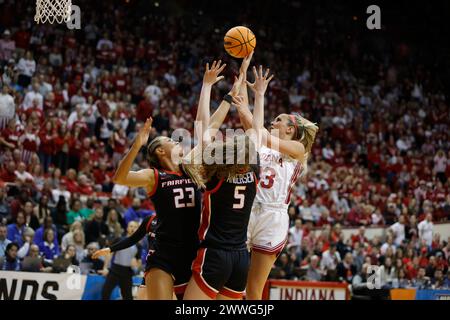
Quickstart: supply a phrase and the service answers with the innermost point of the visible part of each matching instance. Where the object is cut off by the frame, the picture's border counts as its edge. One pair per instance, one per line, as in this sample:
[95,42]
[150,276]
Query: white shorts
[268,228]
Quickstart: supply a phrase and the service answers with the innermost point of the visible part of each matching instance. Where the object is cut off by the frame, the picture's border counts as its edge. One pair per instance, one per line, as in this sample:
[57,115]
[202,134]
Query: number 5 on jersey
[180,201]
[239,195]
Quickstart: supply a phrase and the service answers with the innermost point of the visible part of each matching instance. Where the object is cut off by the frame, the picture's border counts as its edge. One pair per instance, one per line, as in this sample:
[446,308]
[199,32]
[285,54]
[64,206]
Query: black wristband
[228,98]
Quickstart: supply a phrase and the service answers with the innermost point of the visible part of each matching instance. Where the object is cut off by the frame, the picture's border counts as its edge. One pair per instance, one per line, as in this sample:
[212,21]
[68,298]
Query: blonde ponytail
[306,132]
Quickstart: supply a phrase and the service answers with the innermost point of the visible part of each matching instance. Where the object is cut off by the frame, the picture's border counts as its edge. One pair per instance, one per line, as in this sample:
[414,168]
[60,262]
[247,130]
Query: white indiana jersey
[279,174]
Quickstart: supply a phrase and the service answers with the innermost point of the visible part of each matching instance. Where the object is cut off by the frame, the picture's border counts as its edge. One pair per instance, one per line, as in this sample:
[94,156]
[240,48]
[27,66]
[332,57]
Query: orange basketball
[239,42]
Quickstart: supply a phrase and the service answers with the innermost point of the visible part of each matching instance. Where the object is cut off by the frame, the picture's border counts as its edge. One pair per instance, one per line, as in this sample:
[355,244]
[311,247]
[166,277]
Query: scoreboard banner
[304,290]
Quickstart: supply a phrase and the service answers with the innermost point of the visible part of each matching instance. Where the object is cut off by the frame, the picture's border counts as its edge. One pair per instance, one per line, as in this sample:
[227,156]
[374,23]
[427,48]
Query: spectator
[314,273]
[11,261]
[440,166]
[346,270]
[7,110]
[48,224]
[425,228]
[115,229]
[398,230]
[67,239]
[48,249]
[329,262]
[96,228]
[79,243]
[421,281]
[33,97]
[95,264]
[76,213]
[135,213]
[15,230]
[42,211]
[437,282]
[4,241]
[7,46]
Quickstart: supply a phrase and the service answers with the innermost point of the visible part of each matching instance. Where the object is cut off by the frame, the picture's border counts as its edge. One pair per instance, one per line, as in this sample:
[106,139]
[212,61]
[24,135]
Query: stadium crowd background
[72,101]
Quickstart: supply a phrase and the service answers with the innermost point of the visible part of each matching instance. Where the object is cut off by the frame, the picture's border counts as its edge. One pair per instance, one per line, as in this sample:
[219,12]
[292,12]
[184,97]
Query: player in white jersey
[282,158]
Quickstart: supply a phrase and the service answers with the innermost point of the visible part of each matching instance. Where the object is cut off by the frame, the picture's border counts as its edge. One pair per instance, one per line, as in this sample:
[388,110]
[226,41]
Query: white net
[53,11]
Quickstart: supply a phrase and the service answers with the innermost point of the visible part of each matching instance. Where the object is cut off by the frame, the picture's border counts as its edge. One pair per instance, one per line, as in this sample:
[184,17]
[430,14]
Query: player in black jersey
[146,228]
[177,204]
[222,263]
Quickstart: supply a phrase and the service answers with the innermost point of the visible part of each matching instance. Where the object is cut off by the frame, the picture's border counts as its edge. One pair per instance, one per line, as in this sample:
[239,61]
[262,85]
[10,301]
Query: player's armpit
[143,178]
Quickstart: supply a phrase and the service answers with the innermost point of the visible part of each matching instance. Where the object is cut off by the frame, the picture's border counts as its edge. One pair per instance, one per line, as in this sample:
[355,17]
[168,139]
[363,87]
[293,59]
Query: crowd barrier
[67,286]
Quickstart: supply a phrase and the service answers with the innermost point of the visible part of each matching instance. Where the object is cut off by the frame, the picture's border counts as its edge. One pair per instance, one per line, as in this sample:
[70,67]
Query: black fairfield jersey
[177,202]
[227,204]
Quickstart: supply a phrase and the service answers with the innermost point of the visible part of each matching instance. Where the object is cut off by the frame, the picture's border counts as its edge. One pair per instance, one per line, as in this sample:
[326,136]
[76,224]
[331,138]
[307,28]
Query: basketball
[239,42]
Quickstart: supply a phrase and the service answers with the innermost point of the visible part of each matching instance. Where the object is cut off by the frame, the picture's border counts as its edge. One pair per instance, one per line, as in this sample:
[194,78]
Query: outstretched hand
[261,81]
[211,75]
[144,132]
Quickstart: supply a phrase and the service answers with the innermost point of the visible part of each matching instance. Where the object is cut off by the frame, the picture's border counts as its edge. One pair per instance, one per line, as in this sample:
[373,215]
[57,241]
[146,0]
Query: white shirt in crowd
[30,97]
[154,92]
[426,231]
[296,237]
[7,106]
[399,233]
[385,247]
[440,164]
[328,153]
[26,67]
[329,261]
[23,176]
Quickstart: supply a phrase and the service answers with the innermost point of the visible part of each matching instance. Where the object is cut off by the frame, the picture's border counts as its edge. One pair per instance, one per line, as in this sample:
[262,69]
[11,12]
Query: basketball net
[51,11]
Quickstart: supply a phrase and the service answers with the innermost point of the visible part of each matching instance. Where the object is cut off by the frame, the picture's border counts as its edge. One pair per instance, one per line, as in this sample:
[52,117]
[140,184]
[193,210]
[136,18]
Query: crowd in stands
[72,101]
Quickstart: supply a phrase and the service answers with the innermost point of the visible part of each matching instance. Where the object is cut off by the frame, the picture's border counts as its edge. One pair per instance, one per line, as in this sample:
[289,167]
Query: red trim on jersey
[197,269]
[205,217]
[293,180]
[147,227]
[155,186]
[216,188]
[173,172]
[231,293]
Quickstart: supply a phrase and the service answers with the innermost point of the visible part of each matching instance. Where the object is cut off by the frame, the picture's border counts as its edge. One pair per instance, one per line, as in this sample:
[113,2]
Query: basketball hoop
[51,11]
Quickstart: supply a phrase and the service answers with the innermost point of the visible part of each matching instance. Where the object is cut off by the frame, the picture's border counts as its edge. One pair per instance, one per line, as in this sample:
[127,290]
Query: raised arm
[245,115]
[293,148]
[210,77]
[142,178]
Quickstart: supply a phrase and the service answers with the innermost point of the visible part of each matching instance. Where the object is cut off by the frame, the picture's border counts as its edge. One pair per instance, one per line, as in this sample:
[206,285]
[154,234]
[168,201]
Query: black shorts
[222,272]
[175,260]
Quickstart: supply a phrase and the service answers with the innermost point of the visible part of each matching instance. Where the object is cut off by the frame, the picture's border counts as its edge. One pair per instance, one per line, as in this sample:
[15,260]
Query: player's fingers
[270,78]
[219,78]
[260,71]
[255,73]
[207,66]
[222,67]
[267,73]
